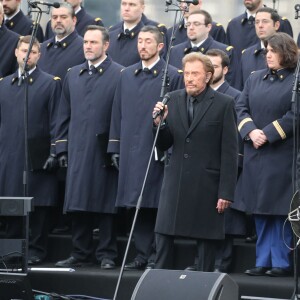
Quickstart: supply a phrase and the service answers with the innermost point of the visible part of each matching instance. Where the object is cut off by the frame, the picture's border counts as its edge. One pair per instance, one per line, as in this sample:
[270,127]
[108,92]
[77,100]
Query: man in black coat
[8,41]
[64,50]
[43,97]
[131,137]
[16,21]
[199,181]
[82,137]
[82,17]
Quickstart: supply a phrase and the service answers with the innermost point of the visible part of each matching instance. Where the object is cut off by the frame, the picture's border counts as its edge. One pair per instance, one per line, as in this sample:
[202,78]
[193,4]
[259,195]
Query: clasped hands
[258,138]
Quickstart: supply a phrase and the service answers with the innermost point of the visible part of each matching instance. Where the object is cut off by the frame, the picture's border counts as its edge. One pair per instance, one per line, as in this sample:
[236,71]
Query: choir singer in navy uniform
[8,41]
[43,97]
[64,50]
[199,24]
[199,180]
[83,19]
[131,137]
[265,123]
[16,21]
[124,35]
[82,137]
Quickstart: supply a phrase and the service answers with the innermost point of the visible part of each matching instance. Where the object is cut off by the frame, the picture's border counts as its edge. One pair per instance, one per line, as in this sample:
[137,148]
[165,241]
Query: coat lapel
[207,101]
[182,108]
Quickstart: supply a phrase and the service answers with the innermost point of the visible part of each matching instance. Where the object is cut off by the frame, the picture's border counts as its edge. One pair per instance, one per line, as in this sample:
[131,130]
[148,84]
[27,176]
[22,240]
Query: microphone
[164,101]
[35,3]
[194,2]
[297,9]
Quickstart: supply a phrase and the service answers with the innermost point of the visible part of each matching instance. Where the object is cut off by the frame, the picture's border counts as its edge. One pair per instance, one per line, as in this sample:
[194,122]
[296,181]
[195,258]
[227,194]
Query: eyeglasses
[196,24]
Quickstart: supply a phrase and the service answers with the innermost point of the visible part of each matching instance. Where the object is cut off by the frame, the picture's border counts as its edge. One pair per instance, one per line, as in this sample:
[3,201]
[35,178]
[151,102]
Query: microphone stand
[296,156]
[165,84]
[24,77]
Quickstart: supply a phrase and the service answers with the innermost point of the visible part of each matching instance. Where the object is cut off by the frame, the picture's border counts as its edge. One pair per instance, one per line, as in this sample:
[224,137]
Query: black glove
[115,160]
[63,160]
[51,163]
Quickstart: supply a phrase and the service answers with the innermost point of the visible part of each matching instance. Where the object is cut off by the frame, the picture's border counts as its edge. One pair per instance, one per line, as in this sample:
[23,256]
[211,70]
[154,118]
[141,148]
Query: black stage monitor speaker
[15,286]
[185,285]
[15,206]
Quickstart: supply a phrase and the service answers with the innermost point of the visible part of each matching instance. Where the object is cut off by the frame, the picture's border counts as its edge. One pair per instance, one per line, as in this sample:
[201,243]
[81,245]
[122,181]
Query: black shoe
[34,260]
[279,272]
[61,230]
[191,268]
[251,239]
[72,262]
[107,264]
[258,271]
[135,265]
[150,265]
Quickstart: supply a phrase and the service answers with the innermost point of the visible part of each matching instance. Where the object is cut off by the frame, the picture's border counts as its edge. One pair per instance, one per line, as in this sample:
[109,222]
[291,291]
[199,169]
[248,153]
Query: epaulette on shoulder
[69,69]
[229,48]
[243,51]
[161,25]
[98,19]
[219,24]
[284,18]
[56,78]
[1,78]
[179,71]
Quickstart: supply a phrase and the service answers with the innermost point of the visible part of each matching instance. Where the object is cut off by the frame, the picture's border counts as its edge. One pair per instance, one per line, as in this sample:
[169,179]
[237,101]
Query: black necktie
[57,44]
[251,20]
[191,109]
[192,49]
[126,33]
[147,71]
[92,69]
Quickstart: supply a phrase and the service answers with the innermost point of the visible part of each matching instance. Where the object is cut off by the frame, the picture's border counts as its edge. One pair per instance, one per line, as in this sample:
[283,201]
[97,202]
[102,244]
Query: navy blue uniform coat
[43,95]
[179,51]
[131,132]
[57,59]
[8,42]
[22,25]
[265,185]
[84,112]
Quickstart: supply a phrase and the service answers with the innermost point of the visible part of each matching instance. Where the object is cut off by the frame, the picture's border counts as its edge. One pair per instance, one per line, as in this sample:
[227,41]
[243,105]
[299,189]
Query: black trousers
[83,224]
[206,251]
[143,234]
[224,253]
